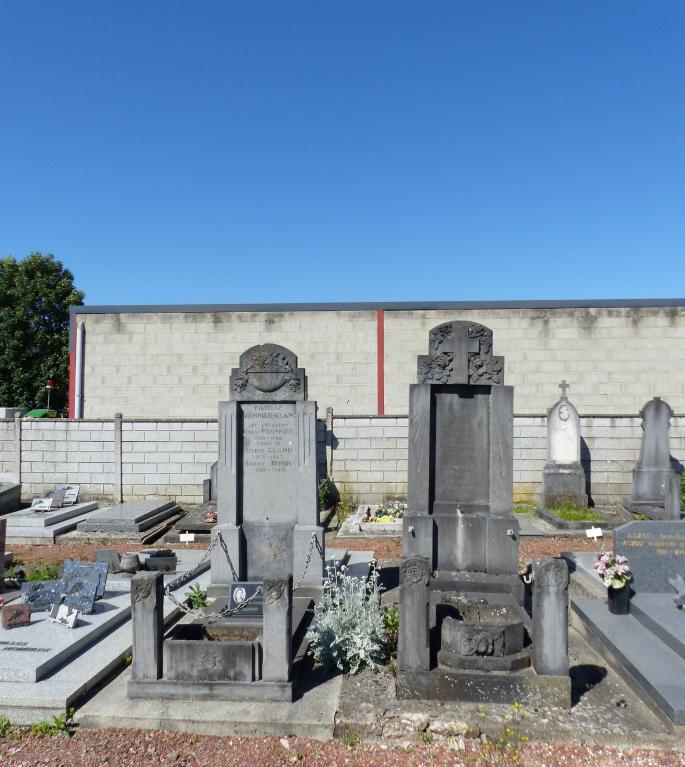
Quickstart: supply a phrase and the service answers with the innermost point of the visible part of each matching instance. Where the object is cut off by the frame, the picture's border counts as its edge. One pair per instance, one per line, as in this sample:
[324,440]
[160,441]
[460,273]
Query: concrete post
[413,652]
[118,459]
[278,618]
[147,600]
[550,617]
[17,446]
[329,442]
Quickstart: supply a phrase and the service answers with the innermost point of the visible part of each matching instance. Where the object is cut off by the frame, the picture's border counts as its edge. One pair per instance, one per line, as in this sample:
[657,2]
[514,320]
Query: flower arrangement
[386,512]
[613,569]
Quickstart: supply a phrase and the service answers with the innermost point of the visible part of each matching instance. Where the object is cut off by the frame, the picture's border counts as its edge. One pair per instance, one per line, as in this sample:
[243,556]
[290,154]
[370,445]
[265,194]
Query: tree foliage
[35,296]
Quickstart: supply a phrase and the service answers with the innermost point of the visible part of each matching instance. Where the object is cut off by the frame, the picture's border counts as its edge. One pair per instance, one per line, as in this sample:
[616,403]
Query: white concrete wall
[178,365]
[171,458]
[159,365]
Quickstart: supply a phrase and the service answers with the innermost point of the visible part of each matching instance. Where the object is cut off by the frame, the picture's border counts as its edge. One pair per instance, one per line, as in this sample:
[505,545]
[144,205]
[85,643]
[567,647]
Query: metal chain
[228,611]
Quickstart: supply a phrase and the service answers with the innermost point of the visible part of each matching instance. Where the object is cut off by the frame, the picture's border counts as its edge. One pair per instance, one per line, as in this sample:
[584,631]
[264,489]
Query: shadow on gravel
[583,678]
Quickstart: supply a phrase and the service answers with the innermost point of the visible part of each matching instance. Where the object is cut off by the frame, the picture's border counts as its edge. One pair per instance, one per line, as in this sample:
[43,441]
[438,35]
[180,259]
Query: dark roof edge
[392,306]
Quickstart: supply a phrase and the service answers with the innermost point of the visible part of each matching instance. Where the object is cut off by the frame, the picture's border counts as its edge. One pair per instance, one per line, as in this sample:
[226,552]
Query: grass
[524,510]
[43,572]
[573,514]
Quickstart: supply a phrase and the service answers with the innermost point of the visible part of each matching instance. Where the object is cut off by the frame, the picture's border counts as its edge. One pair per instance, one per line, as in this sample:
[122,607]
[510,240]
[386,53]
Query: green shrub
[391,625]
[524,510]
[196,597]
[347,631]
[43,572]
[60,725]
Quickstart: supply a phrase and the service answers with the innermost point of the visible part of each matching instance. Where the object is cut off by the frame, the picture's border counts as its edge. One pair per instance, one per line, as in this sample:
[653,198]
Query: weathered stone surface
[197,660]
[656,552]
[15,615]
[266,475]
[655,491]
[277,642]
[550,617]
[148,625]
[414,638]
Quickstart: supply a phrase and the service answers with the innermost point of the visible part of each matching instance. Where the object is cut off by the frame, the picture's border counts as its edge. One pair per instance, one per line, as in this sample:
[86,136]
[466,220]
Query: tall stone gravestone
[460,508]
[266,474]
[656,486]
[563,479]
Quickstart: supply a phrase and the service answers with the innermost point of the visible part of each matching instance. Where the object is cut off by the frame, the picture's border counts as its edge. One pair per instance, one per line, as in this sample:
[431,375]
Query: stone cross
[564,387]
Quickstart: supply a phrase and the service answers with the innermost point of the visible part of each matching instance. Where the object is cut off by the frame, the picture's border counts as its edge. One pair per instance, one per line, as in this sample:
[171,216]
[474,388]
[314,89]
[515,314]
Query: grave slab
[29,518]
[26,702]
[129,517]
[657,675]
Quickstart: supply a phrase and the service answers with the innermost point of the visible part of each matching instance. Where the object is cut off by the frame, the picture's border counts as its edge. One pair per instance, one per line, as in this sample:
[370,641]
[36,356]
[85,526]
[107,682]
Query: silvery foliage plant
[347,630]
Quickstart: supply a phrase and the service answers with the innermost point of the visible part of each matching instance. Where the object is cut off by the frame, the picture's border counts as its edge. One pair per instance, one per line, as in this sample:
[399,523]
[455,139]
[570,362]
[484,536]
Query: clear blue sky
[219,151]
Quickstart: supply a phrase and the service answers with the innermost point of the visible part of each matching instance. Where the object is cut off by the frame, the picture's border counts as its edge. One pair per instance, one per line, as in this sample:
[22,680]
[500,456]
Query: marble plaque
[99,570]
[655,551]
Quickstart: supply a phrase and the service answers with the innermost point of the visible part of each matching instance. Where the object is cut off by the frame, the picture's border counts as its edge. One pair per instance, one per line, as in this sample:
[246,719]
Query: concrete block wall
[367,456]
[370,457]
[178,364]
[167,459]
[59,451]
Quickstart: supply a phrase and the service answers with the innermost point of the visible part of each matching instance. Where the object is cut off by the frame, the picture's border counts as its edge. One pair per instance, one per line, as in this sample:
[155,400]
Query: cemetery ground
[608,724]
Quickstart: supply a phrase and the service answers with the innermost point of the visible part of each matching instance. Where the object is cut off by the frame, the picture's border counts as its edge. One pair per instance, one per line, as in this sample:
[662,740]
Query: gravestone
[10,497]
[563,479]
[41,595]
[99,570]
[656,552]
[128,517]
[550,617]
[267,475]
[656,486]
[462,623]
[460,508]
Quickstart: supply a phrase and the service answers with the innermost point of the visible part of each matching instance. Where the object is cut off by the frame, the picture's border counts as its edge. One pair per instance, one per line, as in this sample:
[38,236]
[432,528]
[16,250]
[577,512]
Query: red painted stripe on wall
[72,371]
[380,360]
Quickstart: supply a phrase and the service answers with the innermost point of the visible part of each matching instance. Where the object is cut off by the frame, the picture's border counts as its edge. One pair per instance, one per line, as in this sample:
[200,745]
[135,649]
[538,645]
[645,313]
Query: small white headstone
[594,533]
[64,615]
[186,537]
[41,504]
[563,432]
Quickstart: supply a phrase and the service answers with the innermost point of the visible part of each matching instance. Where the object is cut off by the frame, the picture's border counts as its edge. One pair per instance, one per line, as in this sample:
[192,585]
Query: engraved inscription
[269,438]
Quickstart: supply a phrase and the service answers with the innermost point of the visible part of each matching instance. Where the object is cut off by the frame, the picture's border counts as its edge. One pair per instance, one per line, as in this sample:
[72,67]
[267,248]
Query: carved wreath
[485,369]
[142,591]
[438,336]
[414,573]
[275,592]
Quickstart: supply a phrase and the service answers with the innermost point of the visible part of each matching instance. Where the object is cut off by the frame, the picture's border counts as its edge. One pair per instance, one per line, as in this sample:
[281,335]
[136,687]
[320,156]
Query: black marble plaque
[655,551]
[242,590]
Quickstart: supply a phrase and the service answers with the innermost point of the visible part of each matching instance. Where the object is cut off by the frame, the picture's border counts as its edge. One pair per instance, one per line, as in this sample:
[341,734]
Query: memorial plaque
[41,504]
[242,590]
[656,552]
[15,616]
[64,615]
[41,595]
[70,493]
[269,461]
[98,569]
[79,590]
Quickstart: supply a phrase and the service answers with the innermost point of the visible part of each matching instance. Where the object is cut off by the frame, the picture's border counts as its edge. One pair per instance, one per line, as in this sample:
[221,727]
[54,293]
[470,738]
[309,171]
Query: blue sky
[224,152]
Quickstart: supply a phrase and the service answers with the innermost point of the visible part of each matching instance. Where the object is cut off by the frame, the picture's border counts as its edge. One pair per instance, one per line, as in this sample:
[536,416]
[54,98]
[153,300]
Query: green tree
[35,296]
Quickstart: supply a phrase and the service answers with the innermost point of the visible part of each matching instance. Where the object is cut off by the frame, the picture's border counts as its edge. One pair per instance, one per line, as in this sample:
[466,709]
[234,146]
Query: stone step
[44,535]
[654,670]
[132,516]
[660,615]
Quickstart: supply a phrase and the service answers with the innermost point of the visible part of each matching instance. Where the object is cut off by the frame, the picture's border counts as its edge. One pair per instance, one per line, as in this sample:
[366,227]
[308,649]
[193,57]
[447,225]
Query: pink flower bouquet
[613,569]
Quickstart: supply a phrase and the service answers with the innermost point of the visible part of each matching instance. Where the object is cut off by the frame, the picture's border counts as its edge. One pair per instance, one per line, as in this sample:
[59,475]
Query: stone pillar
[413,653]
[277,636]
[550,617]
[118,462]
[3,531]
[147,600]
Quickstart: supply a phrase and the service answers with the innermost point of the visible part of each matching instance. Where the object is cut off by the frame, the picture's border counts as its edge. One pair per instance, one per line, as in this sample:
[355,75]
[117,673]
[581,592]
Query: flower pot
[619,600]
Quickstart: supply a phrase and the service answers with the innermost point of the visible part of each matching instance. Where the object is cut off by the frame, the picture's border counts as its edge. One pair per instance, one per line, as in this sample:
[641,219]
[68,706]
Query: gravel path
[131,748]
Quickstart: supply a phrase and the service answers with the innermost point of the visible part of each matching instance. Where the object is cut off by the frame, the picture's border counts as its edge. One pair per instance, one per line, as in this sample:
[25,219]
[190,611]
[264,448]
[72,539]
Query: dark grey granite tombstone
[147,601]
[563,479]
[550,617]
[79,589]
[10,497]
[656,488]
[111,557]
[460,507]
[267,474]
[98,570]
[3,533]
[656,552]
[41,595]
[462,624]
